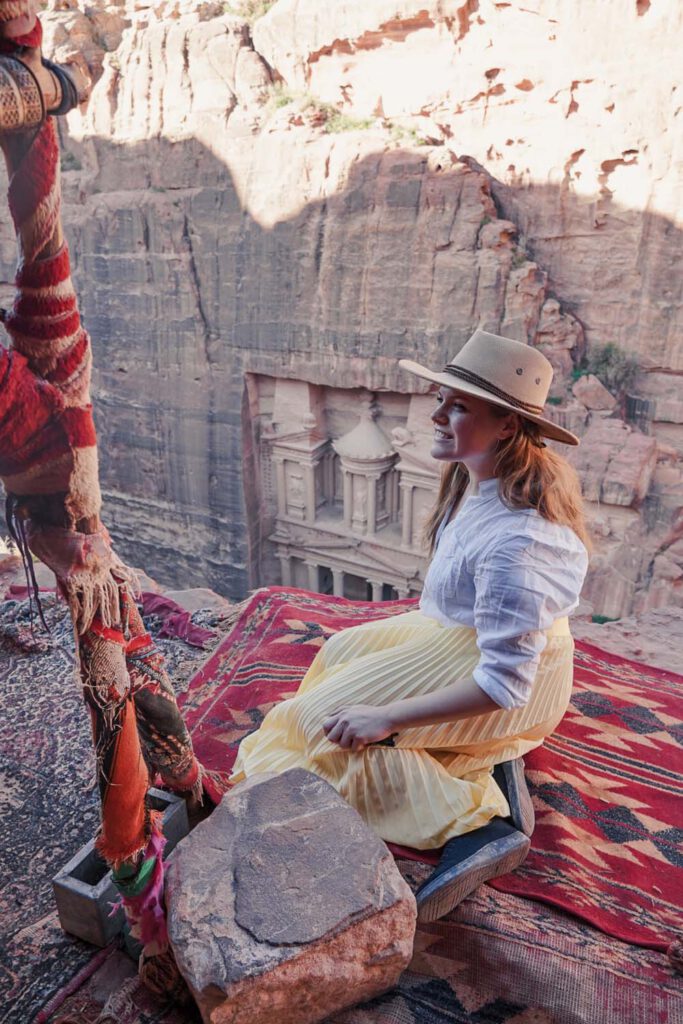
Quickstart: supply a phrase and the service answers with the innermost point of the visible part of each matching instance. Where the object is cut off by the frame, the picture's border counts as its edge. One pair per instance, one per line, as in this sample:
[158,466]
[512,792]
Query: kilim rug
[606,787]
[498,959]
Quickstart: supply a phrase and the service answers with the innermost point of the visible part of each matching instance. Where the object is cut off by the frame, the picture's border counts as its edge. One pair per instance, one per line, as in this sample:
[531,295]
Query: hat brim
[547,427]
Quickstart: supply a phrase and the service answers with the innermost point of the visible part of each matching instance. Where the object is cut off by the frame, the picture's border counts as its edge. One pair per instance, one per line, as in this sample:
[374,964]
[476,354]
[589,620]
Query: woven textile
[607,790]
[48,462]
[498,959]
[605,846]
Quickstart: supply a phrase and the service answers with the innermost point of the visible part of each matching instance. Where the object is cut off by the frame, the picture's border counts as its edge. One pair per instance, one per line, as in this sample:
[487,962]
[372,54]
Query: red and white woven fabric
[48,459]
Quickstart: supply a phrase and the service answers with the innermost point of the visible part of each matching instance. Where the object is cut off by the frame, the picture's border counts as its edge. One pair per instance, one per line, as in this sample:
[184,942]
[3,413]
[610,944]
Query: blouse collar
[487,488]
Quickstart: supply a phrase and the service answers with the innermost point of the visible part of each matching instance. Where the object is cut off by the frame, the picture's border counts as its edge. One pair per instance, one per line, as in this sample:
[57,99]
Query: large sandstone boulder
[284,906]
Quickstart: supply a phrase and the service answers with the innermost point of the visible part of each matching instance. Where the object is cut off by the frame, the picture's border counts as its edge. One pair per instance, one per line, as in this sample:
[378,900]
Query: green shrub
[616,369]
[339,122]
[282,97]
[519,258]
[250,10]
[404,133]
[69,162]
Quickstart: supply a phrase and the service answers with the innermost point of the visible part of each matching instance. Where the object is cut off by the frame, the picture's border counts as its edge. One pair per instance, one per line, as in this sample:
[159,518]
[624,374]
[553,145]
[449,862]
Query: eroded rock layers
[308,192]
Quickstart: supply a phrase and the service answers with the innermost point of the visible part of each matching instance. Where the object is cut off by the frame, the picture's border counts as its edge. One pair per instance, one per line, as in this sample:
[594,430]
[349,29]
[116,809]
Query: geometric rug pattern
[607,785]
[607,789]
[498,959]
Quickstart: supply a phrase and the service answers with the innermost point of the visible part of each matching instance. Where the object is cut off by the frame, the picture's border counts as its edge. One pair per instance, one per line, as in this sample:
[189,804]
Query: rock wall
[316,191]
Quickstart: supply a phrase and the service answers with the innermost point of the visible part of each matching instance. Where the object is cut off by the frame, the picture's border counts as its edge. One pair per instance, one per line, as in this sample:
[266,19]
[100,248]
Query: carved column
[286,568]
[312,576]
[348,497]
[281,486]
[376,590]
[407,514]
[338,582]
[372,503]
[310,497]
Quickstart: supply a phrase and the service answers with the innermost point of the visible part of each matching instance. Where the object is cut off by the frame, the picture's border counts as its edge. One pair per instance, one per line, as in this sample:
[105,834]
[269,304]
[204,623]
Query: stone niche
[345,480]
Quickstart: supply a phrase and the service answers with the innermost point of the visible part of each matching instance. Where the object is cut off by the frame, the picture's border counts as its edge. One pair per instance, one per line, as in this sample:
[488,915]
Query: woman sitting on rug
[420,720]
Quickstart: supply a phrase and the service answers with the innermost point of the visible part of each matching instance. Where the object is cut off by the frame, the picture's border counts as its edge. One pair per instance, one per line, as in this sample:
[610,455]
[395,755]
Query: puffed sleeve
[521,587]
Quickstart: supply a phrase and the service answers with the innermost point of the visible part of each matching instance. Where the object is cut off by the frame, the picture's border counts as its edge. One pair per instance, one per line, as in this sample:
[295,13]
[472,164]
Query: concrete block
[84,889]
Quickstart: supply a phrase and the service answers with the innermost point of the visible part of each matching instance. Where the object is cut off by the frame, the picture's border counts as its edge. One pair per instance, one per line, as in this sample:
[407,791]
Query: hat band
[485,385]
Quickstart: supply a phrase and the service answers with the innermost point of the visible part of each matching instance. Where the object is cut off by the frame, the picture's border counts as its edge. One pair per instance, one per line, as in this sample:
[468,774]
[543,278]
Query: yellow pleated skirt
[437,782]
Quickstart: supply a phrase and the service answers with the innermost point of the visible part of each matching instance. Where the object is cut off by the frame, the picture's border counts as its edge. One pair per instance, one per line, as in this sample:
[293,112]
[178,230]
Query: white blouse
[509,574]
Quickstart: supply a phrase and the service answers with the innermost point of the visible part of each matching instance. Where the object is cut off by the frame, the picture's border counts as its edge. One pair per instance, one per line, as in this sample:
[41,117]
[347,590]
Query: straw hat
[507,373]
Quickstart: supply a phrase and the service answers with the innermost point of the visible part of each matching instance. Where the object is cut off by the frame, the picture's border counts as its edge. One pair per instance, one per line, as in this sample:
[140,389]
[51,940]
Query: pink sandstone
[284,906]
[225,226]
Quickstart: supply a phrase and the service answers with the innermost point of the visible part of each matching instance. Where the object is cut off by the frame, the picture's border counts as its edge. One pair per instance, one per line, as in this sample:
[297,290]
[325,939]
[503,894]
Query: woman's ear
[508,426]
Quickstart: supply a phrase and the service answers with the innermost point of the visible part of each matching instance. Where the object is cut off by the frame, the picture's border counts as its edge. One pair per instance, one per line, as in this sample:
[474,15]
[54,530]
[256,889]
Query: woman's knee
[338,647]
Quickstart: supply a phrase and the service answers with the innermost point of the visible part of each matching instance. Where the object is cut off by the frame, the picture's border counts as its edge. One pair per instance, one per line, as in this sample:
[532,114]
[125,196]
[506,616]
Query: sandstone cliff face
[319,190]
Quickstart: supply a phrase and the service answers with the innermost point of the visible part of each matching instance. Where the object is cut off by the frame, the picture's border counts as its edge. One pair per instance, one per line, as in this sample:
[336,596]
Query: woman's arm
[462,699]
[359,725]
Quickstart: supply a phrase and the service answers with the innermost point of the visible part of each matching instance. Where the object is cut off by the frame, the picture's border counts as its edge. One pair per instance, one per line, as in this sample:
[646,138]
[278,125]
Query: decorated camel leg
[48,464]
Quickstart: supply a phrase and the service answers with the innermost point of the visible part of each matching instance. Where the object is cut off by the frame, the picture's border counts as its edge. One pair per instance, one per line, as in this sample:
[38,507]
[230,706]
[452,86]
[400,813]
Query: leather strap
[473,378]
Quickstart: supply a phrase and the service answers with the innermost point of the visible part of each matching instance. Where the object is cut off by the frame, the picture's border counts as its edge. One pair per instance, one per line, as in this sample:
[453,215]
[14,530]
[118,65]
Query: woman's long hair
[530,476]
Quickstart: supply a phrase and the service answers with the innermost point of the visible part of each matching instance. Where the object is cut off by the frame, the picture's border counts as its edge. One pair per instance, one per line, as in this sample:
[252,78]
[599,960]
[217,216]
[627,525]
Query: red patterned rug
[607,846]
[497,959]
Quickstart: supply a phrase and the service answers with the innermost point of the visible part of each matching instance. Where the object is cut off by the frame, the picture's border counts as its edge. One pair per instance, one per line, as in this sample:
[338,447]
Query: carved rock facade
[228,226]
[347,479]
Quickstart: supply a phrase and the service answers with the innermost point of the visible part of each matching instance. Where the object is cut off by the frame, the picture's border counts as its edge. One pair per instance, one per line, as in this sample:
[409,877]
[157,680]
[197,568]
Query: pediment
[316,543]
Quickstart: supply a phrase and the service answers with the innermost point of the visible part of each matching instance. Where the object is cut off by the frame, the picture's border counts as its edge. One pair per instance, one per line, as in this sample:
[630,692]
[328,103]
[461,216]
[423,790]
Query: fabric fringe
[215,784]
[91,595]
[120,1006]
[88,572]
[88,596]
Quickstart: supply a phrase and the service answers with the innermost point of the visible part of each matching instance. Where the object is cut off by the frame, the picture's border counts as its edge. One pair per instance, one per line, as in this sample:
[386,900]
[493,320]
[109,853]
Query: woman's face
[466,430]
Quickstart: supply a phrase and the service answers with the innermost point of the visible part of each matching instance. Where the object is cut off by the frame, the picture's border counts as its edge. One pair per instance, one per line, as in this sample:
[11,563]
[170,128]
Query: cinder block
[84,889]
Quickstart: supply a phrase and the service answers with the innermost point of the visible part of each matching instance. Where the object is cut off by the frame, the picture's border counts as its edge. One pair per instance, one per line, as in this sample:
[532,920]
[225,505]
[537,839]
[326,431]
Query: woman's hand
[355,727]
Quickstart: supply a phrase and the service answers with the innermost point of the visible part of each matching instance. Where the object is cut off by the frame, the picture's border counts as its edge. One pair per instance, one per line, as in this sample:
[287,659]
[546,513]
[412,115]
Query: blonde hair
[530,476]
